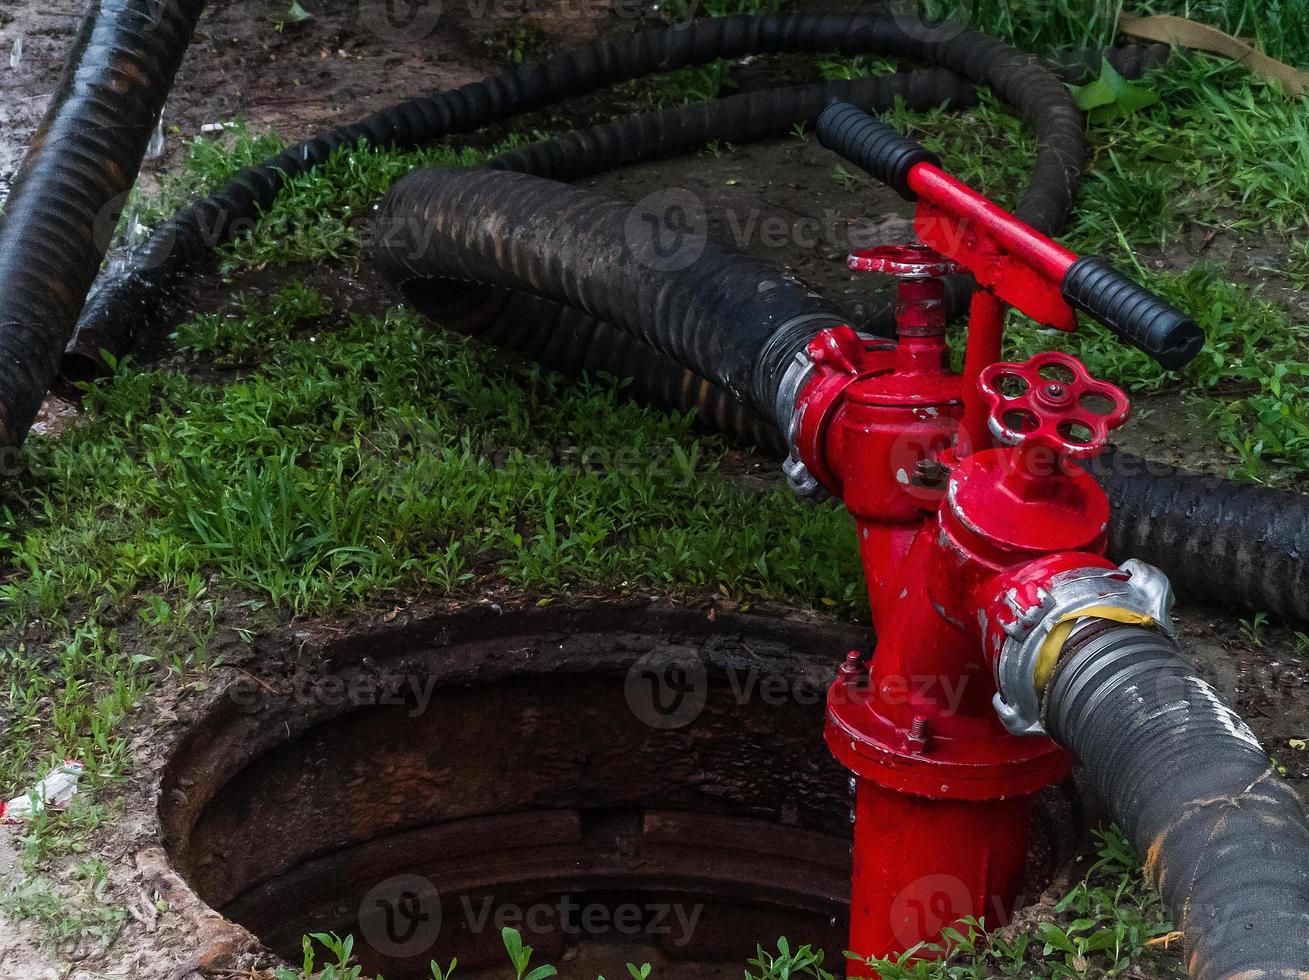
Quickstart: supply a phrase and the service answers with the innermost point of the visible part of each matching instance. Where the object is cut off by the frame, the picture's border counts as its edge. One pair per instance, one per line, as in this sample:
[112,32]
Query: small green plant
[521,43]
[849,180]
[1254,628]
[1112,916]
[79,910]
[786,963]
[521,956]
[287,13]
[1112,97]
[341,967]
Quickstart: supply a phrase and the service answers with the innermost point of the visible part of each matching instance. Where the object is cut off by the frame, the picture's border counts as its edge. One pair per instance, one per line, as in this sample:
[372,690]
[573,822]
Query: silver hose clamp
[789,418]
[1144,592]
[803,483]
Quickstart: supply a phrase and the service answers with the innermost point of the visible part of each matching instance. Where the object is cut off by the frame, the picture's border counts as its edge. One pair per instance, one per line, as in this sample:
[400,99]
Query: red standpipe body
[949,525]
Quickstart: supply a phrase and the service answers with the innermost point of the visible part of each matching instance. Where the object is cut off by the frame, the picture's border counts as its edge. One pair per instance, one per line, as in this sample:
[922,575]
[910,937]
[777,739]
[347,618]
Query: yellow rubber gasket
[1054,643]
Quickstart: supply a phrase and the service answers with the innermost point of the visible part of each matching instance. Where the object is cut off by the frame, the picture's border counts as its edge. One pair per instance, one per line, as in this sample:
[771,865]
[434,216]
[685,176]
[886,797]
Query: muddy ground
[332,68]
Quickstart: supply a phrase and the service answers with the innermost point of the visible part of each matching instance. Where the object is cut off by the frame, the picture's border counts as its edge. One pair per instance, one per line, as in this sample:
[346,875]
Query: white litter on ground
[54,792]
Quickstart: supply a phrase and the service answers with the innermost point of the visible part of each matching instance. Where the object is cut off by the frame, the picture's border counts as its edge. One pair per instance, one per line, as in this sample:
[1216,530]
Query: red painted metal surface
[956,532]
[1011,259]
[985,342]
[1055,405]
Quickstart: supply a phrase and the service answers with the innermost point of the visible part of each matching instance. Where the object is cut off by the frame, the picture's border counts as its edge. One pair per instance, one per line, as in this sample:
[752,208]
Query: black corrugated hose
[146,298]
[60,215]
[1232,543]
[729,318]
[735,119]
[573,343]
[1224,839]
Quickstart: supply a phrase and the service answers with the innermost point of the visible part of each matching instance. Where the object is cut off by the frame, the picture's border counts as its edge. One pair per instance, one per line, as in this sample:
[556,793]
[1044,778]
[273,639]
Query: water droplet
[156,148]
[16,54]
[133,233]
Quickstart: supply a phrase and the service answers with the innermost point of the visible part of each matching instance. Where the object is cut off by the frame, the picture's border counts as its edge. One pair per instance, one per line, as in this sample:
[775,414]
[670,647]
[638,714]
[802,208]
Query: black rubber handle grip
[872,145]
[1132,312]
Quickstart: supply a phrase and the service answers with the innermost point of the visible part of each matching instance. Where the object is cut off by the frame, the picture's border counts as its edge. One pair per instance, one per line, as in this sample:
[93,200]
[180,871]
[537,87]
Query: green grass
[1279,27]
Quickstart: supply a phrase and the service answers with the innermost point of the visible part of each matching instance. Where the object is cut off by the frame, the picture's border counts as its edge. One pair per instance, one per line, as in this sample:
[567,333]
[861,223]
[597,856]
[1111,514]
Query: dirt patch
[350,58]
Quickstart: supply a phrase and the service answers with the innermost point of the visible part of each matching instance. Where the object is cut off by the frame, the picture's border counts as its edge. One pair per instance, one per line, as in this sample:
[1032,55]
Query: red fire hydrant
[971,511]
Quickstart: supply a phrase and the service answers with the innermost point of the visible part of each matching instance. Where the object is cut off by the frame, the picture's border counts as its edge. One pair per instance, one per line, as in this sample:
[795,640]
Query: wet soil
[778,201]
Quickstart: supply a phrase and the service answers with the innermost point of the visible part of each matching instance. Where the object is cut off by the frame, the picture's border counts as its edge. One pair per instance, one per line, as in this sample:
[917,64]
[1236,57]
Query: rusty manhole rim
[239,730]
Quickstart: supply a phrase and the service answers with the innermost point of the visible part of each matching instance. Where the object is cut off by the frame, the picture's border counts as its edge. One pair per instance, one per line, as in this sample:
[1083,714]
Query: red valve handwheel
[905,262]
[1053,402]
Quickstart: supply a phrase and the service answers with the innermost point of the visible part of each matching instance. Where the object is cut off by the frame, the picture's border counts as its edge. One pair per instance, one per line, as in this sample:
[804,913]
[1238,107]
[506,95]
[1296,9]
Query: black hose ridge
[60,215]
[570,342]
[141,303]
[711,311]
[1216,539]
[1224,838]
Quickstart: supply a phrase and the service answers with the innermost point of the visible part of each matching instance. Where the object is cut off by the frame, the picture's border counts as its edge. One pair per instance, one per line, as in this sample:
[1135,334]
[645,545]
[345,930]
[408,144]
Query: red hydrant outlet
[983,546]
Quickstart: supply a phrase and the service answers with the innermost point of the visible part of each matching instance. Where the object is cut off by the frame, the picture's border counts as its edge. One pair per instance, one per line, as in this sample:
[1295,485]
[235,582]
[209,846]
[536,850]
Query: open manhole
[619,784]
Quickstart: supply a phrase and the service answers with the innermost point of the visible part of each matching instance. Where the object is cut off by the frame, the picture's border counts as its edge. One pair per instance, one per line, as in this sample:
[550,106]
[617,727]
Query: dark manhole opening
[618,784]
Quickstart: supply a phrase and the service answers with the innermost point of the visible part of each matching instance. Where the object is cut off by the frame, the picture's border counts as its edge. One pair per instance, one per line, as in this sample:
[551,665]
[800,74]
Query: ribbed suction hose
[59,219]
[1225,839]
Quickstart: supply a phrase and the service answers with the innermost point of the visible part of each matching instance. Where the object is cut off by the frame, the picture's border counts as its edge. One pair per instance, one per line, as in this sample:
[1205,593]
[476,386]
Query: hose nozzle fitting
[1037,630]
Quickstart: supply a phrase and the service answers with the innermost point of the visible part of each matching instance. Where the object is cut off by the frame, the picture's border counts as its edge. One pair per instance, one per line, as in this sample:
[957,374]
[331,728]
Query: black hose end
[1133,313]
[871,145]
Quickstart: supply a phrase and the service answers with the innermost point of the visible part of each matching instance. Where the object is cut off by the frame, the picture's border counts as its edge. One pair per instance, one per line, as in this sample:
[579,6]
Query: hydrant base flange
[994,766]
